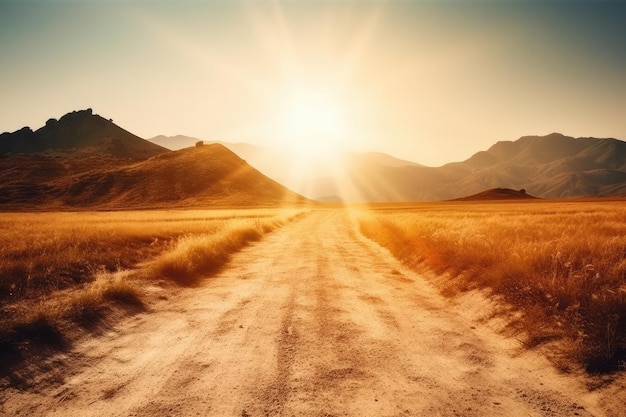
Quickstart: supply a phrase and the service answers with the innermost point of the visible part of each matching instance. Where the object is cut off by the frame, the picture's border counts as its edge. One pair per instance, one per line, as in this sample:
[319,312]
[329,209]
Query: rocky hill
[79,132]
[207,176]
[83,161]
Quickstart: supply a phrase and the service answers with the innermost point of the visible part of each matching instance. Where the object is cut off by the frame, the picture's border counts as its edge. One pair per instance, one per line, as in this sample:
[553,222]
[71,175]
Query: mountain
[311,178]
[174,143]
[209,175]
[551,166]
[378,158]
[206,176]
[80,132]
[83,161]
[256,153]
[261,157]
[498,194]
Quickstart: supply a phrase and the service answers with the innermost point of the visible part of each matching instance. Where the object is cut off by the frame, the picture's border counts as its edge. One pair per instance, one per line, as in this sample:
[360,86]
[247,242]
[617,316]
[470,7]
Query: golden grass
[79,305]
[45,252]
[63,268]
[562,264]
[194,256]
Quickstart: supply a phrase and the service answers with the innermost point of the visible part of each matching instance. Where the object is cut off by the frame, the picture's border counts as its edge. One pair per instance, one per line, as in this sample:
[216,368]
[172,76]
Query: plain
[62,271]
[558,266]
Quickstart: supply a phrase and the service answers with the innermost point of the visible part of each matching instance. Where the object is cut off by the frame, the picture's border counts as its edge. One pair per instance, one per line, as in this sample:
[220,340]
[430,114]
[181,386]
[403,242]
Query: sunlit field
[562,265]
[59,268]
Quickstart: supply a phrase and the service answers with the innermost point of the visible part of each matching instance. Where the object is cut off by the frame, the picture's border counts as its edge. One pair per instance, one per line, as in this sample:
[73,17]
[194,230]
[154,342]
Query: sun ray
[196,51]
[312,110]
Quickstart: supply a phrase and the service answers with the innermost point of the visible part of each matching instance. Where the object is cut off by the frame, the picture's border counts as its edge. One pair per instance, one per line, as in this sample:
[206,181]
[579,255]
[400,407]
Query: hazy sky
[430,81]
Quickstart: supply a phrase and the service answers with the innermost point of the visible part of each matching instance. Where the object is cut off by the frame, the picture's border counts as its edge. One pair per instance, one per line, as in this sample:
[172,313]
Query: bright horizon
[431,82]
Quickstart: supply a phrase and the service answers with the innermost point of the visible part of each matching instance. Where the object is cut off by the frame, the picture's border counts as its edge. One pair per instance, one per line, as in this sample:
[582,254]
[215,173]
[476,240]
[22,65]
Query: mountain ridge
[80,145]
[207,176]
[83,161]
[248,150]
[550,166]
[80,131]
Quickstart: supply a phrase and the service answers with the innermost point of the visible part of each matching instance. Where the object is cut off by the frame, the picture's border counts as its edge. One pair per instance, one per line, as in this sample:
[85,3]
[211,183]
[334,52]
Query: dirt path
[312,321]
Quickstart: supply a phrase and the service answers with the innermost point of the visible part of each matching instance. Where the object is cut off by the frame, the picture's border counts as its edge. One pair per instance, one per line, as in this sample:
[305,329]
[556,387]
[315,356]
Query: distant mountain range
[317,180]
[552,166]
[257,153]
[85,161]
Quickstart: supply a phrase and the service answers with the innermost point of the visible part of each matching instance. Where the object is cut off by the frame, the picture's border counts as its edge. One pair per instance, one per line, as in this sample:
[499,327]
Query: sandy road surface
[312,321]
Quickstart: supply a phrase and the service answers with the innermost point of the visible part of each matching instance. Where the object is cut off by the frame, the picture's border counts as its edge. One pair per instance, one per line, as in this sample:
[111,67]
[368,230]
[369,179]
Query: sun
[313,122]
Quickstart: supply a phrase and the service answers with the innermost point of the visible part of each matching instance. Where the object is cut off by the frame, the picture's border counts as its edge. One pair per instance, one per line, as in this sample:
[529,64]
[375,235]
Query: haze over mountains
[258,153]
[85,161]
[316,179]
[551,166]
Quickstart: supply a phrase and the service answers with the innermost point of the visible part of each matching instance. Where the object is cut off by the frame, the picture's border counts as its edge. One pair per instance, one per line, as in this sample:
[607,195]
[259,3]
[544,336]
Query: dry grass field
[560,265]
[60,269]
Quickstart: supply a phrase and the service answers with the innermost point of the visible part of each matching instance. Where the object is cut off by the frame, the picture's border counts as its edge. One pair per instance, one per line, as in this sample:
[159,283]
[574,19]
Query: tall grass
[62,269]
[199,255]
[78,305]
[45,252]
[563,265]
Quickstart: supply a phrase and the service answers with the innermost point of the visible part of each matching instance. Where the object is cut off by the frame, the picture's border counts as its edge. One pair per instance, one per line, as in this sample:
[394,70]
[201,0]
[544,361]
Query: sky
[428,81]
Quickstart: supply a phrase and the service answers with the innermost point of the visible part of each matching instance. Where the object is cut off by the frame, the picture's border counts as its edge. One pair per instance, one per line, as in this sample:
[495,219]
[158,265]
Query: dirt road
[312,321]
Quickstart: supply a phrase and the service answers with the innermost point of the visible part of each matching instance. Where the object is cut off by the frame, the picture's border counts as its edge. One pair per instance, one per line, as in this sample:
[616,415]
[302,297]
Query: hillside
[210,175]
[498,194]
[551,166]
[85,161]
[174,143]
[80,132]
[312,179]
[263,154]
[207,176]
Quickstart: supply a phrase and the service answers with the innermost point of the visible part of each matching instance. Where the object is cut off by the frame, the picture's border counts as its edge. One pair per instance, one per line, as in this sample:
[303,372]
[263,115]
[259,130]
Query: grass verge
[194,257]
[60,272]
[562,265]
[39,327]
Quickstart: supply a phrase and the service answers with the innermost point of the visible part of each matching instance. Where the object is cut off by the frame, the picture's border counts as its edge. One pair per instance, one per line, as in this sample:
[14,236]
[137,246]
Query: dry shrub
[45,252]
[197,256]
[42,253]
[37,328]
[81,304]
[59,270]
[563,264]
